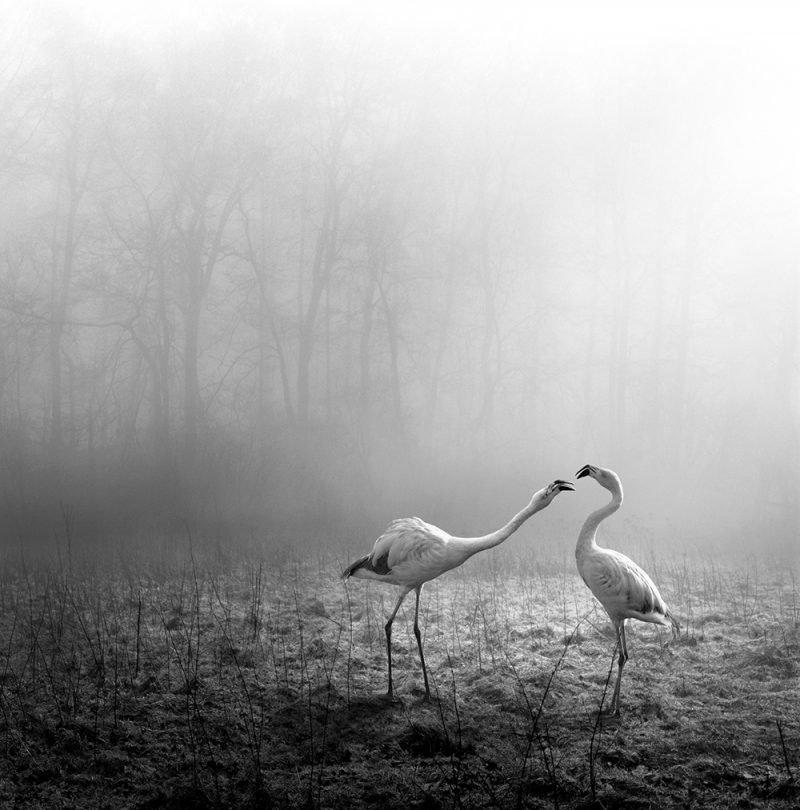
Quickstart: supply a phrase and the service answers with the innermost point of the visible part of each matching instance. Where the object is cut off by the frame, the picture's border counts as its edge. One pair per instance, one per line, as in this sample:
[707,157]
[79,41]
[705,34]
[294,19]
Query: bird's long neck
[472,545]
[588,533]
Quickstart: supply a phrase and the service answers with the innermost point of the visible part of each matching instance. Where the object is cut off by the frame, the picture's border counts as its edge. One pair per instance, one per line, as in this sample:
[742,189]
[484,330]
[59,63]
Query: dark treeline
[308,276]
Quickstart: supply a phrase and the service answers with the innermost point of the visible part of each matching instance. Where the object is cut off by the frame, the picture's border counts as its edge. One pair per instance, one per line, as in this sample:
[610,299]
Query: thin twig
[785,752]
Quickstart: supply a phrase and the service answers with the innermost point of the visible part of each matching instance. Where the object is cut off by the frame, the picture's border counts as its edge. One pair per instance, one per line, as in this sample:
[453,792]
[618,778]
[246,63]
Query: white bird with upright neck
[412,552]
[622,587]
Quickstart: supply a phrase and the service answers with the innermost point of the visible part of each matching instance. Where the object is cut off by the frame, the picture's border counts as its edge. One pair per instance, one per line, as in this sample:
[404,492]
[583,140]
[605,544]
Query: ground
[252,684]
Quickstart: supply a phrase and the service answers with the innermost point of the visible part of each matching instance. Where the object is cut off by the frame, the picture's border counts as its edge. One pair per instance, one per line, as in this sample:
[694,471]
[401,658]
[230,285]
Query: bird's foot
[607,716]
[423,694]
[376,701]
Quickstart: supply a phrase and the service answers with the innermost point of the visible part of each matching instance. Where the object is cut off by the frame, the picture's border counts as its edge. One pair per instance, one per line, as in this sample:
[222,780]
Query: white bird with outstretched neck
[622,587]
[412,552]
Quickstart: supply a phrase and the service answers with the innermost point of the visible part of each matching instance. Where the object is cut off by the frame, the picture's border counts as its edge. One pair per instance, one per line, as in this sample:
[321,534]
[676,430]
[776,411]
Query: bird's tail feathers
[353,567]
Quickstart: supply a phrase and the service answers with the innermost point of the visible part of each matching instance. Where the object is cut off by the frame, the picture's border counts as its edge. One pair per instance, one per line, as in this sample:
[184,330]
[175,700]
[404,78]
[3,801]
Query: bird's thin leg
[623,657]
[388,629]
[419,644]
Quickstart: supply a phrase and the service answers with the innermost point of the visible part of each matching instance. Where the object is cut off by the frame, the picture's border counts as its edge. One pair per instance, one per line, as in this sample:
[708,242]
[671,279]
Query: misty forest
[272,276]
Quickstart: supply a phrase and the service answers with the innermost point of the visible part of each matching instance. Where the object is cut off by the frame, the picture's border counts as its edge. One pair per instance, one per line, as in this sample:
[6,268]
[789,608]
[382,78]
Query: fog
[288,271]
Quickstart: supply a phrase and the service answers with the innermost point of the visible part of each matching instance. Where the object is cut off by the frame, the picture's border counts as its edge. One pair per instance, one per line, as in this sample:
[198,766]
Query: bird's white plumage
[623,588]
[411,552]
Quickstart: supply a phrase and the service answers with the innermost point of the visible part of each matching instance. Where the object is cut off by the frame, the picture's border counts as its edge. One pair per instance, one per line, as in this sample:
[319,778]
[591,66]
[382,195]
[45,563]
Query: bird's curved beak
[584,471]
[564,486]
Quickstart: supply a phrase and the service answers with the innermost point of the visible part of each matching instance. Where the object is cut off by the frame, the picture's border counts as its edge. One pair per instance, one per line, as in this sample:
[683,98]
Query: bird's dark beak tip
[583,471]
[565,486]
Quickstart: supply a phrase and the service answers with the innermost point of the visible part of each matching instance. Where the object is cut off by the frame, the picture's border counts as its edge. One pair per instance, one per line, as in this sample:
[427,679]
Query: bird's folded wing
[623,587]
[409,542]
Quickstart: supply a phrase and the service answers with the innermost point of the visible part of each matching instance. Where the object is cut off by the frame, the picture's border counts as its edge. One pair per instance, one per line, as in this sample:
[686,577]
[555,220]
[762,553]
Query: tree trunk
[322,266]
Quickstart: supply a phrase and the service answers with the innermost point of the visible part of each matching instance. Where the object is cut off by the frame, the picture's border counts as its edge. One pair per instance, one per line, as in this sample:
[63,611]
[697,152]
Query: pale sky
[623,17]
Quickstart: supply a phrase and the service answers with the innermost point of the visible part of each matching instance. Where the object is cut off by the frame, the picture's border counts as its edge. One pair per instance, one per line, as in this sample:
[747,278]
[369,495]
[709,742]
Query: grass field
[248,684]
